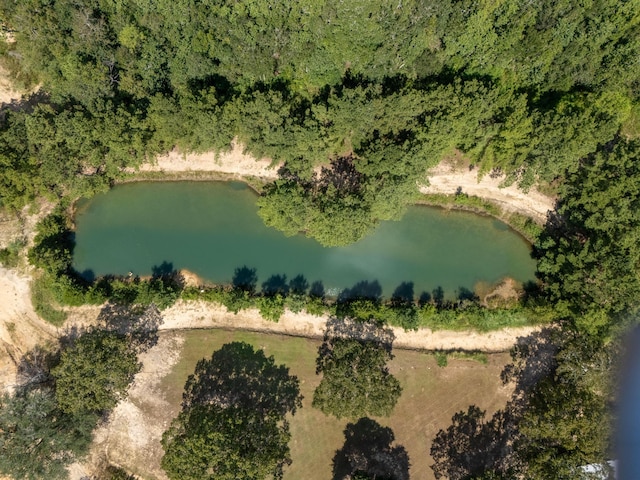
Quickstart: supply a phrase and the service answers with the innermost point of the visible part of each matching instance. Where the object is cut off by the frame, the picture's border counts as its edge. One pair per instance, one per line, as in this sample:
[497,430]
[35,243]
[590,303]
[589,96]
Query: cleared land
[431,395]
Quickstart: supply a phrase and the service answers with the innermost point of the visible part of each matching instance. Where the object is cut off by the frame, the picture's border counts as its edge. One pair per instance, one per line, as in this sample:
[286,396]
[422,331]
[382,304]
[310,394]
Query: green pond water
[213,228]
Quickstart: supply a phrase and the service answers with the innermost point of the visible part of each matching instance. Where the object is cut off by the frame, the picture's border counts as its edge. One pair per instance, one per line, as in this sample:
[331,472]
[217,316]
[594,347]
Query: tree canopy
[38,439]
[355,378]
[95,373]
[523,89]
[233,420]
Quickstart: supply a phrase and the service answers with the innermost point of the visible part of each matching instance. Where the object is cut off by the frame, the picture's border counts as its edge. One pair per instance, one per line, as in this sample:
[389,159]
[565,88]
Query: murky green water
[212,228]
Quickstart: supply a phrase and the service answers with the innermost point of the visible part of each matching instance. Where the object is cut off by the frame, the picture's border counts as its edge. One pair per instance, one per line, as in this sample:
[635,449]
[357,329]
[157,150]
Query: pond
[212,229]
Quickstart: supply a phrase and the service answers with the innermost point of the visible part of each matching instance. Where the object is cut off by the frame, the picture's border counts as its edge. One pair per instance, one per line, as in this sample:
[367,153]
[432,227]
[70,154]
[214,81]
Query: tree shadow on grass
[473,444]
[368,452]
[239,376]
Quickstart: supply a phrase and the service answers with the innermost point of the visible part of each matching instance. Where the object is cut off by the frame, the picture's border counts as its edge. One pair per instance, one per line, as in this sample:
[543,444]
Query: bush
[43,300]
[95,373]
[10,256]
[441,359]
[271,307]
[53,245]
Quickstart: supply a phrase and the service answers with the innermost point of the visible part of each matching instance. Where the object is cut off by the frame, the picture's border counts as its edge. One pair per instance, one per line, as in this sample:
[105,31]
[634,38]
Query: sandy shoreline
[444,178]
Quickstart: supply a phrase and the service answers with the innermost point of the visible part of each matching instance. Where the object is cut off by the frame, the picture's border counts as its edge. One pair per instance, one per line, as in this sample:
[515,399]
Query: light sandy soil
[199,315]
[20,328]
[204,315]
[139,421]
[234,162]
[7,93]
[446,178]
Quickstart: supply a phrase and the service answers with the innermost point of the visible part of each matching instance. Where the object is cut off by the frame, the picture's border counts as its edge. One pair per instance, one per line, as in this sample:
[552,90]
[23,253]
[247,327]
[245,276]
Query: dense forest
[357,99]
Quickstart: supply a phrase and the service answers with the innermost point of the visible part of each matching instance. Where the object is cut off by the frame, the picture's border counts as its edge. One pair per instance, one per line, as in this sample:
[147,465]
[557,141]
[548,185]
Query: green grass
[44,302]
[482,319]
[430,397]
[525,226]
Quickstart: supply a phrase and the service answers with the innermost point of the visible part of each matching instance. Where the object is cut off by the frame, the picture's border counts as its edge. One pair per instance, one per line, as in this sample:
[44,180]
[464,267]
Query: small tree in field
[95,373]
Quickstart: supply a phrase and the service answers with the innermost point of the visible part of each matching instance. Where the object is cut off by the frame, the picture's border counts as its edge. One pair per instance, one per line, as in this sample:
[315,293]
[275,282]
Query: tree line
[515,87]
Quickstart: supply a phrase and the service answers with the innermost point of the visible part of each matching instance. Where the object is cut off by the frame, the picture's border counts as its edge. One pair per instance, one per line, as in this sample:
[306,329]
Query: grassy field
[431,395]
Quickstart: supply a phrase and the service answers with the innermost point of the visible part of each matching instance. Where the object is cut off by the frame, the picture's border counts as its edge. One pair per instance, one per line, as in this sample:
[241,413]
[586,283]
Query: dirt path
[187,315]
[200,315]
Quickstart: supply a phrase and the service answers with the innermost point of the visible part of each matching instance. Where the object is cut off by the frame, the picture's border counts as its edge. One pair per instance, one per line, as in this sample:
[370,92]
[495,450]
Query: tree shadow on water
[364,290]
[245,279]
[274,285]
[368,453]
[403,294]
[317,290]
[437,296]
[298,285]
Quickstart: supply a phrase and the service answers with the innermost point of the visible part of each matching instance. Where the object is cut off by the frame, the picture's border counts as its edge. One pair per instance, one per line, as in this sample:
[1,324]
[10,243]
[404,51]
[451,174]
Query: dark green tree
[95,372]
[590,251]
[355,378]
[233,421]
[37,439]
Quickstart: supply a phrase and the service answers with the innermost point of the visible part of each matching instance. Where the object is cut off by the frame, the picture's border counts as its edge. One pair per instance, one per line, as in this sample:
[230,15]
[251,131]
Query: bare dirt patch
[20,328]
[235,162]
[133,433]
[196,314]
[449,178]
[8,95]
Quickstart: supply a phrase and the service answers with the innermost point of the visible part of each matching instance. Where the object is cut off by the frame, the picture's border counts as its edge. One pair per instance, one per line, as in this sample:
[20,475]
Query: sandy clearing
[140,420]
[235,162]
[446,178]
[201,315]
[8,95]
[20,327]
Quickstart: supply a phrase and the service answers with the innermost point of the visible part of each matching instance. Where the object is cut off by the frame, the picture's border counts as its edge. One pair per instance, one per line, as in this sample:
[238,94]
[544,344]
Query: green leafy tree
[589,253]
[355,378]
[37,439]
[95,372]
[233,421]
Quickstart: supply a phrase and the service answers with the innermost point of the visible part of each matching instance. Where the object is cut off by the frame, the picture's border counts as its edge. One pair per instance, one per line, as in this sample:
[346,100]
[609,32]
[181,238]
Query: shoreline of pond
[385,229]
[526,226]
